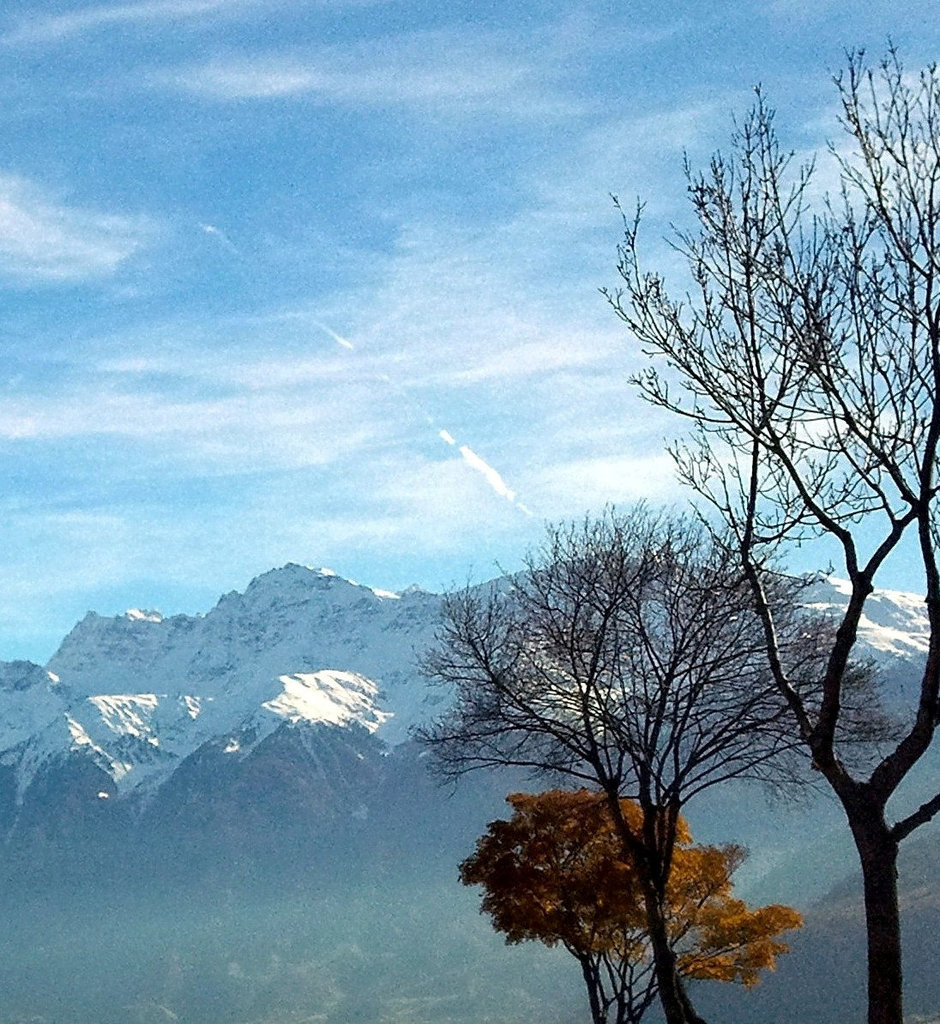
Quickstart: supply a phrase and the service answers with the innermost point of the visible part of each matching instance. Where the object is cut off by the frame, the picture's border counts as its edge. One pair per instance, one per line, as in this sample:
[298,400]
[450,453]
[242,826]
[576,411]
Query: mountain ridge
[140,692]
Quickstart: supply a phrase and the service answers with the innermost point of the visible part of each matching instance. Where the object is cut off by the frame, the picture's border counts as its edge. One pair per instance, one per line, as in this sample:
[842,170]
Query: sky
[318,281]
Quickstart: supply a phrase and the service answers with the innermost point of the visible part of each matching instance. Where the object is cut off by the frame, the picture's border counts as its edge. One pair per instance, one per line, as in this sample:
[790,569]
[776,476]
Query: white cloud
[594,481]
[246,79]
[274,428]
[519,357]
[53,28]
[465,306]
[189,365]
[41,239]
[632,155]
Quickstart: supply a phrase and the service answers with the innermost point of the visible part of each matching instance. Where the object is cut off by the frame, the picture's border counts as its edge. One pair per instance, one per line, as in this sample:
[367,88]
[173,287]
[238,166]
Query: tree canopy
[555,872]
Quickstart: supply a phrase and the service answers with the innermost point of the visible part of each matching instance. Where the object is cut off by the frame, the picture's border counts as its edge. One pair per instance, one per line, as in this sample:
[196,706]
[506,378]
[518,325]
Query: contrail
[491,475]
[211,229]
[476,462]
[338,338]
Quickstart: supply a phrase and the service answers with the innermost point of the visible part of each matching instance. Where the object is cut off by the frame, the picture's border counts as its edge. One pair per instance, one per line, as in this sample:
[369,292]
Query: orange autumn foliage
[556,872]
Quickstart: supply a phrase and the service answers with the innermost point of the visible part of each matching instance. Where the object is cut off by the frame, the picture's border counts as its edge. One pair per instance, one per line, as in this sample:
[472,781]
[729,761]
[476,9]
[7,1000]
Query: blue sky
[287,280]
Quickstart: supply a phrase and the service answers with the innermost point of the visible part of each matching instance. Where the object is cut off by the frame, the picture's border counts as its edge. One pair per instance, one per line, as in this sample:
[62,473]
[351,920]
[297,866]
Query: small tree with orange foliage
[555,872]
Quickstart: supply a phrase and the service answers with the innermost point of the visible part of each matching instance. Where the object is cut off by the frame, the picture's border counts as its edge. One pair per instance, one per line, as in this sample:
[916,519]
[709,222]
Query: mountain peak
[143,615]
[308,580]
[24,675]
[299,646]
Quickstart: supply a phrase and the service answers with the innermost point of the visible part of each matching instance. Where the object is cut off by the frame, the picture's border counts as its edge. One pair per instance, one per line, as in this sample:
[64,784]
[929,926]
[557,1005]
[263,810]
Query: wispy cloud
[45,240]
[476,73]
[262,78]
[56,27]
[541,356]
[53,28]
[169,435]
[635,155]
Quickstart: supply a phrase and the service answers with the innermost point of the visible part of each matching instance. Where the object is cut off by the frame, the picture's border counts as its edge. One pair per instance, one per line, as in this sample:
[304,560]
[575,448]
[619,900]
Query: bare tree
[807,359]
[627,655]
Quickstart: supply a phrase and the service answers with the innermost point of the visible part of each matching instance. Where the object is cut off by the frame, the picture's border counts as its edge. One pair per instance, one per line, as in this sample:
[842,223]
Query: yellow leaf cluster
[556,872]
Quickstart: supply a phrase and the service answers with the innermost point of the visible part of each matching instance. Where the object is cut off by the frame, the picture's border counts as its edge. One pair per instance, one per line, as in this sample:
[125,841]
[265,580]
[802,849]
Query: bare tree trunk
[677,1008]
[878,854]
[589,972]
[653,871]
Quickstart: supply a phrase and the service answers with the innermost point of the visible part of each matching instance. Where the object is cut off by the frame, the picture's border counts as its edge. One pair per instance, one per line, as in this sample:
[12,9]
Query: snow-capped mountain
[894,622]
[165,782]
[140,693]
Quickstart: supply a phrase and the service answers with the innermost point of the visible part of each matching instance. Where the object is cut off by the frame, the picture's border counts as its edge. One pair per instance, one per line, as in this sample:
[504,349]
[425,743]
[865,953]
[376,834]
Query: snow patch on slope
[128,715]
[81,740]
[893,623]
[331,697]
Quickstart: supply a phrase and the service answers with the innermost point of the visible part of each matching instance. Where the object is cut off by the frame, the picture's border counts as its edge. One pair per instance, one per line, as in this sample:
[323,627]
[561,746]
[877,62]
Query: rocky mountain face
[276,725]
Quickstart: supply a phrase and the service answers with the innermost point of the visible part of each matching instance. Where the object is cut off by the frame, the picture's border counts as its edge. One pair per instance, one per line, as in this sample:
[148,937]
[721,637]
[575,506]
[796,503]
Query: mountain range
[138,694]
[172,785]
